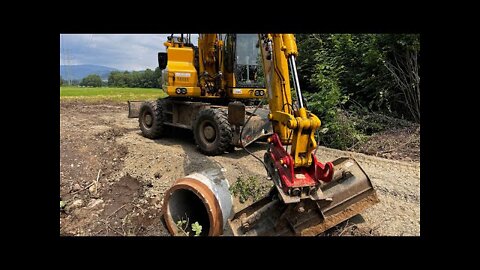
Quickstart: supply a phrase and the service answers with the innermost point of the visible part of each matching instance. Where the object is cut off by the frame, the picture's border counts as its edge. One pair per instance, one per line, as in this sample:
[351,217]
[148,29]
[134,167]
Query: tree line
[134,79]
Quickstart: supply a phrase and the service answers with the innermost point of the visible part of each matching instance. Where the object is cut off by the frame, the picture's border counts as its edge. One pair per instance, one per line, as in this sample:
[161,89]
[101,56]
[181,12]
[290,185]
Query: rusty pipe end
[197,198]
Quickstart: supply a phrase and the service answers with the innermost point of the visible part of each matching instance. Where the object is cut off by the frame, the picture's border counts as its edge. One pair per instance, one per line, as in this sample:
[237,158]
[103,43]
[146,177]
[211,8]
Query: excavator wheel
[212,132]
[151,119]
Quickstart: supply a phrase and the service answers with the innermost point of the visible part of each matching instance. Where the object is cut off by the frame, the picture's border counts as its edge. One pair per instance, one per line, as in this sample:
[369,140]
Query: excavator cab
[243,59]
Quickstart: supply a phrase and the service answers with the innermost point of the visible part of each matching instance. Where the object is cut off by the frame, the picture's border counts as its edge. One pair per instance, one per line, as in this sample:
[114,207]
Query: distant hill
[78,72]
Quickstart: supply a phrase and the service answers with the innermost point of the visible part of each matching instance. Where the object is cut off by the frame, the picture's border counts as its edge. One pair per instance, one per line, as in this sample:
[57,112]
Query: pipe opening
[184,204]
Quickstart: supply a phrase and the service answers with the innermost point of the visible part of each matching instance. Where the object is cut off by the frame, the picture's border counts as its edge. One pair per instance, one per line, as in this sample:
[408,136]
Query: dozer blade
[134,108]
[259,126]
[349,193]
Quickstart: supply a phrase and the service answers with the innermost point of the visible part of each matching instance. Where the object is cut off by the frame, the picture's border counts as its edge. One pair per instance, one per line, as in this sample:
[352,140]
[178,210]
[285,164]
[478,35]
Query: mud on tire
[151,119]
[212,132]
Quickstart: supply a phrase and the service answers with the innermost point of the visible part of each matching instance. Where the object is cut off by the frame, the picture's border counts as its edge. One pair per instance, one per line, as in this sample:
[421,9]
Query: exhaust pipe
[199,197]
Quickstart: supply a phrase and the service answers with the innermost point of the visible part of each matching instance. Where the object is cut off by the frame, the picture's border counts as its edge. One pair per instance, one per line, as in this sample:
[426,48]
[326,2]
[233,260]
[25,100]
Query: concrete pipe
[199,197]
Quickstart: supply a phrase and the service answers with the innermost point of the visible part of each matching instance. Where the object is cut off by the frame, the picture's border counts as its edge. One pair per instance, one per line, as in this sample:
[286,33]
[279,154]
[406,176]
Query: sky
[120,51]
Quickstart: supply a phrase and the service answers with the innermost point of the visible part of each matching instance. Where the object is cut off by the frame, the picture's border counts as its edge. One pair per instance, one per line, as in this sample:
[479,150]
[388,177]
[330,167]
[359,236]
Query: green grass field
[109,94]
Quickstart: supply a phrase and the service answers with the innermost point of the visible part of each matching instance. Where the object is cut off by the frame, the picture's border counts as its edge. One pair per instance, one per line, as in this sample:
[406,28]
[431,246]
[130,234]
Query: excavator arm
[299,171]
[308,196]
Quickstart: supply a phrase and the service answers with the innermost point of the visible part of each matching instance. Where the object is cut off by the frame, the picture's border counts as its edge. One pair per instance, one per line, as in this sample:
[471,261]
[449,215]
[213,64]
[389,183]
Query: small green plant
[62,204]
[182,227]
[248,188]
[197,228]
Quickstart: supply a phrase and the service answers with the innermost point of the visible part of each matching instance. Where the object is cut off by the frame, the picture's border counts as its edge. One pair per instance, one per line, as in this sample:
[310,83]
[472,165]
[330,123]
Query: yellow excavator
[210,88]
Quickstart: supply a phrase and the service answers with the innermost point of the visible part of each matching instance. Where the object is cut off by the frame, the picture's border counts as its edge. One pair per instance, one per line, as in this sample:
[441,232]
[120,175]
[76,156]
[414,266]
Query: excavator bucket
[349,193]
[258,126]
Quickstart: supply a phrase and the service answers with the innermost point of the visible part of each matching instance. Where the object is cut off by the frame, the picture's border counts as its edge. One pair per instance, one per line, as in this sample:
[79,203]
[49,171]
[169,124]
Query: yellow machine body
[181,72]
[200,71]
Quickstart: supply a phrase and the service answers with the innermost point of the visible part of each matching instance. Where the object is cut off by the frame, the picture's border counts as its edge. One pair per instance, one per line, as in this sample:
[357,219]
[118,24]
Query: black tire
[150,119]
[212,121]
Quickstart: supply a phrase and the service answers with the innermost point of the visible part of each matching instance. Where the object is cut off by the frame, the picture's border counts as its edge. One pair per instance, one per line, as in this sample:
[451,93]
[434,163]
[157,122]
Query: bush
[341,132]
[249,188]
[338,130]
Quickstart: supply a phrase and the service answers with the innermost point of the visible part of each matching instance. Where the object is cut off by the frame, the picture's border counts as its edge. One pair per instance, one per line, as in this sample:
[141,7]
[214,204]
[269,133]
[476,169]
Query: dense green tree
[373,72]
[352,80]
[118,79]
[92,80]
[157,78]
[149,79]
[127,79]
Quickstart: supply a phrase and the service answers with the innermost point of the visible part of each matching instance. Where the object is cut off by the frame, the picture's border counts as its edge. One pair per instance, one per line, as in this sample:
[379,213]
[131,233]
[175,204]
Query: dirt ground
[113,179]
[398,144]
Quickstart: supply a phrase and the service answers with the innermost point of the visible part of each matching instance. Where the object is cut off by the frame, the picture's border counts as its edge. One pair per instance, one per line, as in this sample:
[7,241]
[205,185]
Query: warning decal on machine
[179,74]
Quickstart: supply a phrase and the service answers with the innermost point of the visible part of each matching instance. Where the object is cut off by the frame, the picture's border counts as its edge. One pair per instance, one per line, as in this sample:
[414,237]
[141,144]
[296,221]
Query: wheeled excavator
[207,86]
[308,196]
